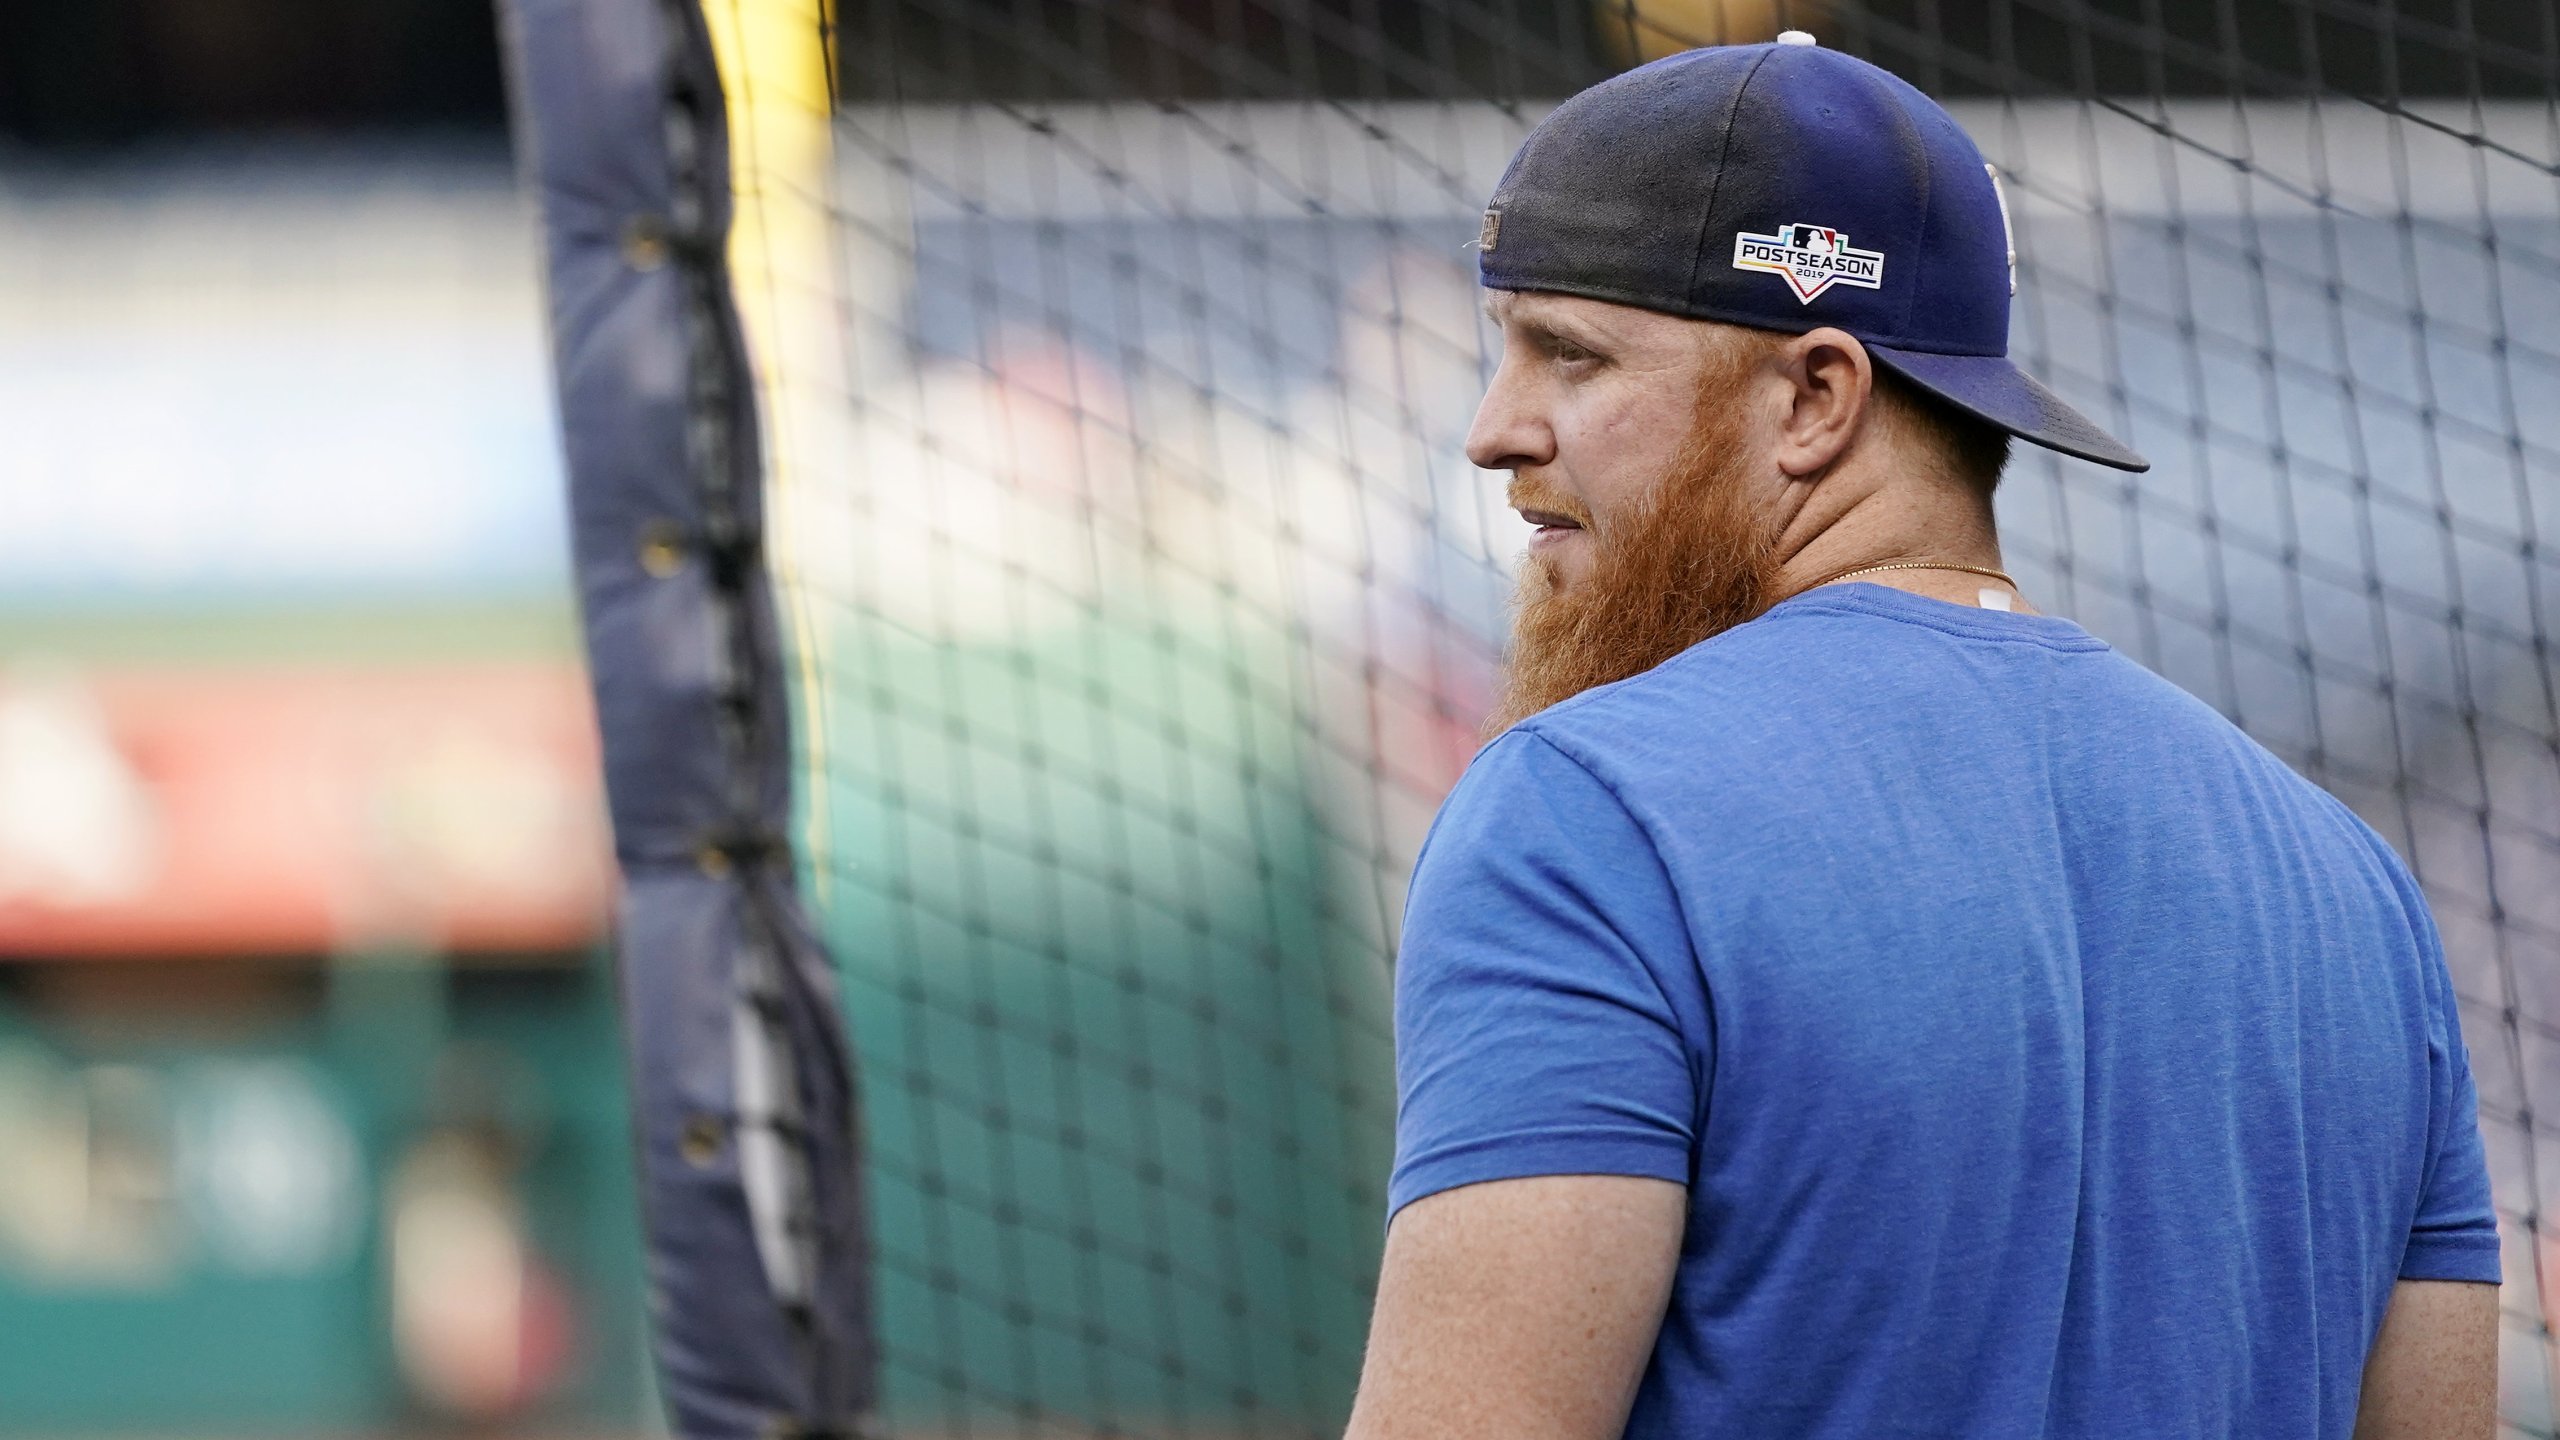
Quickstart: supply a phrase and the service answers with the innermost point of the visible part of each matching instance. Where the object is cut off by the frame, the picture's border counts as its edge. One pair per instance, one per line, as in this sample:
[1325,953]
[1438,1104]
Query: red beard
[1694,560]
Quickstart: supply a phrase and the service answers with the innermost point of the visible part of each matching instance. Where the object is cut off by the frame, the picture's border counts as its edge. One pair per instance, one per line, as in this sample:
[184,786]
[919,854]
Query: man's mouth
[1552,526]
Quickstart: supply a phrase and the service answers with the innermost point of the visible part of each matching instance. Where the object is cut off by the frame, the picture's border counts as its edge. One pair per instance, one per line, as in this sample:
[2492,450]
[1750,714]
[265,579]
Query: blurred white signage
[274,381]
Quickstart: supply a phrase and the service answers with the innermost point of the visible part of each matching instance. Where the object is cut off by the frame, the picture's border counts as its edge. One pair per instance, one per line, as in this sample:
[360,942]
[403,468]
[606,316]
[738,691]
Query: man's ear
[1830,381]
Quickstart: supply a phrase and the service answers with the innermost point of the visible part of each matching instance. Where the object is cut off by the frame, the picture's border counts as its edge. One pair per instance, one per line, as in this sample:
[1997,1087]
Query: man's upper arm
[1550,1044]
[2454,1234]
[1549,1015]
[1520,1308]
[2433,1372]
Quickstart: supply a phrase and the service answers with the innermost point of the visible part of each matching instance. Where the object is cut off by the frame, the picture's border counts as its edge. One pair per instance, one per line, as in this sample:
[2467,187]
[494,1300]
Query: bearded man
[1843,1001]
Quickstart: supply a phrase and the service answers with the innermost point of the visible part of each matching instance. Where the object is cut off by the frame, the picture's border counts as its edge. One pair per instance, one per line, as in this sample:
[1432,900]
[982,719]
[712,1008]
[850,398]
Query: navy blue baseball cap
[1786,187]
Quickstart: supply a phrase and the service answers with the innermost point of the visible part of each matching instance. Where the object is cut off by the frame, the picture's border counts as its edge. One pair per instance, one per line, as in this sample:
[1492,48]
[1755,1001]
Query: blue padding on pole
[618,117]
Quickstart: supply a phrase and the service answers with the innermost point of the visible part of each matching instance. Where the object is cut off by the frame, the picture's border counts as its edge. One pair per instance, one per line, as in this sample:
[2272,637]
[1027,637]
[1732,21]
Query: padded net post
[740,1072]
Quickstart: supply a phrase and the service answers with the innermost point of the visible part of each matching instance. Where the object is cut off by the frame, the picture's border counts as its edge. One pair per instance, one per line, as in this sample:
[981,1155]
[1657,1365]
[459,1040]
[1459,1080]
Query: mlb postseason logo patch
[1813,258]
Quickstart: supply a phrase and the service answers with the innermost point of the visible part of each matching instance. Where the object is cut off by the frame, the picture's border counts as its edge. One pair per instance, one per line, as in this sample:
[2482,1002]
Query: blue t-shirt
[2041,1055]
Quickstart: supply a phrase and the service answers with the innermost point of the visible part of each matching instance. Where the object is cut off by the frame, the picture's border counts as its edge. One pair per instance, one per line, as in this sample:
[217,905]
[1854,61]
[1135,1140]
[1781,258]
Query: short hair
[1965,447]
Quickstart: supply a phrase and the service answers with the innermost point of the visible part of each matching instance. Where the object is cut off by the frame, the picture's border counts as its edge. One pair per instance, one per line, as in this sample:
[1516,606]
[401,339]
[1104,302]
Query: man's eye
[1572,354]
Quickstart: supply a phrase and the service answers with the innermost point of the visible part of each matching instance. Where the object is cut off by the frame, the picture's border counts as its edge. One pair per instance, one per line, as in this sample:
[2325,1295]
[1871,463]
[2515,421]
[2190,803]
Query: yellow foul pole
[774,67]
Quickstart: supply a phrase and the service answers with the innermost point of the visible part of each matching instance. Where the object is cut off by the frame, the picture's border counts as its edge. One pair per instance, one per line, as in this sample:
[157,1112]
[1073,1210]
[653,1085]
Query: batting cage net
[1137,604]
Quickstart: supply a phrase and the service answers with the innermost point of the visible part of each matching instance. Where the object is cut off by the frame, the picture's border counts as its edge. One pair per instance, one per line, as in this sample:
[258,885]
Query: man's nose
[1507,434]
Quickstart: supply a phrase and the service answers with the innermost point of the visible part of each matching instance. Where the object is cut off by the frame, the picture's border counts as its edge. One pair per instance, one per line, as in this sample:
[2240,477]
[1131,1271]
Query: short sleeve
[1549,1015]
[2455,1234]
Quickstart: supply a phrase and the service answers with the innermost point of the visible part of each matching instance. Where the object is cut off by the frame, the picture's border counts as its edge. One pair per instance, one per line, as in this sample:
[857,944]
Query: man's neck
[1852,522]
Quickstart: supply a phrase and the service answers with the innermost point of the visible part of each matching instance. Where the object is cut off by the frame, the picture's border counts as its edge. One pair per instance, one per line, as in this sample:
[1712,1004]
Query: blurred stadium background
[1140,606]
[310,1095]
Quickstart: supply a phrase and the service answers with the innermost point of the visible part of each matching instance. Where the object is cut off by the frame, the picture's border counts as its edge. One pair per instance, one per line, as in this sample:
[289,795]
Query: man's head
[1754,304]
[1673,467]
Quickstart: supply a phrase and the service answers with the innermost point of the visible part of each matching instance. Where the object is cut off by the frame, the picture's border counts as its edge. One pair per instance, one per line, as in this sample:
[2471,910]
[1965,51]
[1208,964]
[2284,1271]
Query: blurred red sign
[299,811]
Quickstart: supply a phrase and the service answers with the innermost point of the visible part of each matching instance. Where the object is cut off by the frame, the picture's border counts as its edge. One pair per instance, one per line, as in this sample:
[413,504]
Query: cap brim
[1990,388]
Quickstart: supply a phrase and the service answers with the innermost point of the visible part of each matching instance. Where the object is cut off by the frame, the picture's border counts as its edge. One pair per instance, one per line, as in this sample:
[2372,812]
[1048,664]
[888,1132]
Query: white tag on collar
[1991,599]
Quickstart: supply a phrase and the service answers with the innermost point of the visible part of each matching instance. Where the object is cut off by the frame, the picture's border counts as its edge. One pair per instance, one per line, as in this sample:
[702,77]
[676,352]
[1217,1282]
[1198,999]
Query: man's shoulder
[1731,694]
[1823,680]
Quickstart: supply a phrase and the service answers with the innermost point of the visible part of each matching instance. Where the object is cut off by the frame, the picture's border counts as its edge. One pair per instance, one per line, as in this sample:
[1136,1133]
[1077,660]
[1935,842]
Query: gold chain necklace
[2000,575]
